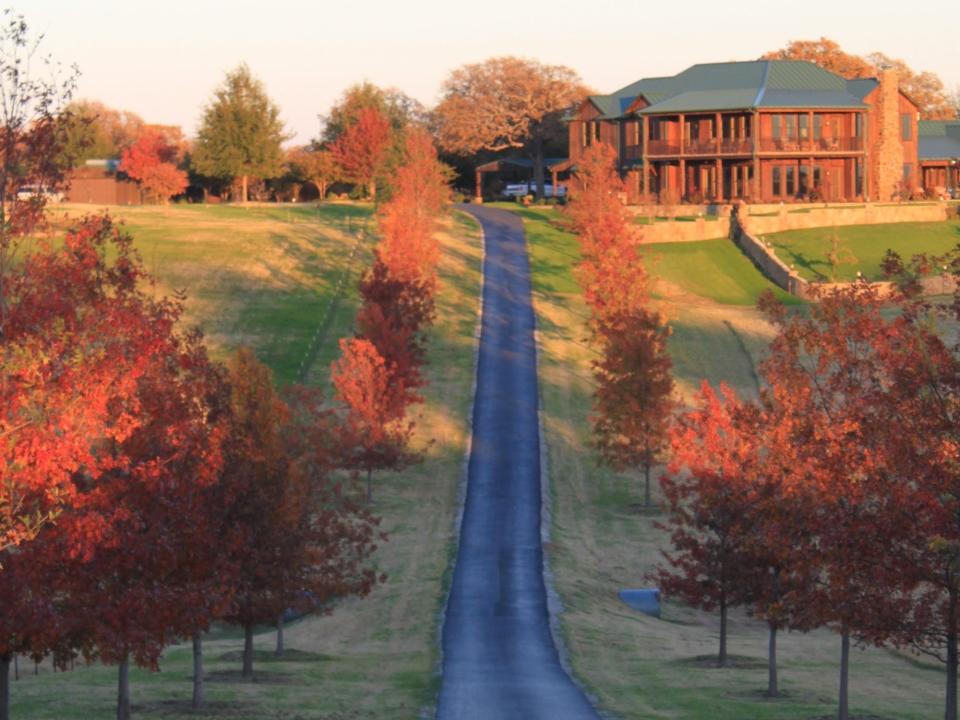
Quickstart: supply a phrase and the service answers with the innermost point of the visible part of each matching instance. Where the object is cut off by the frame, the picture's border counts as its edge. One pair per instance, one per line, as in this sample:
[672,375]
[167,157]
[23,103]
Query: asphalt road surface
[499,659]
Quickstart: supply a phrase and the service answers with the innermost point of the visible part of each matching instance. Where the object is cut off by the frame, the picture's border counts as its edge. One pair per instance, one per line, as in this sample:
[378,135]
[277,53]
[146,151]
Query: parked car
[521,189]
[28,192]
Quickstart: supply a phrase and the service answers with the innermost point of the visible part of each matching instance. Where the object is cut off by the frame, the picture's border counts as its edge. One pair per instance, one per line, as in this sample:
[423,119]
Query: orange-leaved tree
[409,220]
[611,272]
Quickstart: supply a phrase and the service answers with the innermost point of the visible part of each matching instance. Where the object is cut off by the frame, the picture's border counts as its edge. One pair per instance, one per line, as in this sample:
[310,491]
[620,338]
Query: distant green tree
[241,133]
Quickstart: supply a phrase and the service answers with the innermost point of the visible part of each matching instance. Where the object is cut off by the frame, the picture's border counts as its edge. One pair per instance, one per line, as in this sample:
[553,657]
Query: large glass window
[791,126]
[804,179]
[817,127]
[804,121]
[776,119]
[776,180]
[791,180]
[905,126]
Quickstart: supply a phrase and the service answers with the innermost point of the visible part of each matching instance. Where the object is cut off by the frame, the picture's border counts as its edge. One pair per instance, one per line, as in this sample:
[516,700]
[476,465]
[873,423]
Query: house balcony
[699,146]
[807,145]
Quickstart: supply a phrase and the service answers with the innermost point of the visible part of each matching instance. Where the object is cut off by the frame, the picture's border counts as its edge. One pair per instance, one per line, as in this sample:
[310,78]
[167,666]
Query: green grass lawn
[637,666]
[261,276]
[374,657]
[807,250]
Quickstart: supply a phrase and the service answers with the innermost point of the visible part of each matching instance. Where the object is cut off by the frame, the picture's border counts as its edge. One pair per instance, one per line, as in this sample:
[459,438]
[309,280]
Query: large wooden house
[763,131]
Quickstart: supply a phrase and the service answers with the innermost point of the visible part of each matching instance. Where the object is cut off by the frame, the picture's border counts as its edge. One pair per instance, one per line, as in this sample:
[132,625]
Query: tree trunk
[647,500]
[243,192]
[372,190]
[369,487]
[722,655]
[197,671]
[248,652]
[950,711]
[123,689]
[538,165]
[843,707]
[773,689]
[279,651]
[5,686]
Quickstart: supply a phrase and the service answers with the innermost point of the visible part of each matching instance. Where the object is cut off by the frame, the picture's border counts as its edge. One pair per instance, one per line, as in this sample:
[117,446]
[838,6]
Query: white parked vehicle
[522,189]
[28,192]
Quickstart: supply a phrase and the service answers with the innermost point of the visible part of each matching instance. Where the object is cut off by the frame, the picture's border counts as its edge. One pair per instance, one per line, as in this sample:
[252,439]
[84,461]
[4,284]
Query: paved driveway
[499,660]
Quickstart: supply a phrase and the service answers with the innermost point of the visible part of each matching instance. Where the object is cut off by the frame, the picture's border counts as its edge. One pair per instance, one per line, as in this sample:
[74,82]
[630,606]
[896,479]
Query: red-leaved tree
[304,540]
[152,162]
[376,432]
[362,150]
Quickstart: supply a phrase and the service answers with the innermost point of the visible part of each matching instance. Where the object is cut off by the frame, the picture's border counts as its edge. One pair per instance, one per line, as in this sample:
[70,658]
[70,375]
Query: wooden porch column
[683,134]
[717,133]
[553,176]
[719,179]
[755,191]
[479,196]
[645,182]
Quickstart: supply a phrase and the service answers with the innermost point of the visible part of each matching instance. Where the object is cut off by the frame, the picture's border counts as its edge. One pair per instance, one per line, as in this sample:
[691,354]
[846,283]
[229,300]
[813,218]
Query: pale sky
[162,60]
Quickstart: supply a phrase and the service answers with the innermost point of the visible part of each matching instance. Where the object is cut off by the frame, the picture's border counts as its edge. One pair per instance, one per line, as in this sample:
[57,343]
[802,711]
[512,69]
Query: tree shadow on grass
[798,259]
[734,662]
[290,655]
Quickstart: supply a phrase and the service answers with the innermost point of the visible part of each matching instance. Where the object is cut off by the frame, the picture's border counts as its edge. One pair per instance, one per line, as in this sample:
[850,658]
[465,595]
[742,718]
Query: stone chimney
[887,156]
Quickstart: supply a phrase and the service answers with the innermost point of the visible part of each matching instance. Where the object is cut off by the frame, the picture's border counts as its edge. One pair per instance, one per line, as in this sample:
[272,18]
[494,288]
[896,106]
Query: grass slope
[372,658]
[641,667]
[807,250]
[262,276]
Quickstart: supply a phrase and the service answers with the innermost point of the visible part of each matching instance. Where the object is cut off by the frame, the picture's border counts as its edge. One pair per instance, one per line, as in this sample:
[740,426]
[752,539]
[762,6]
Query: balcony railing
[697,146]
[633,152]
[736,146]
[787,145]
[663,147]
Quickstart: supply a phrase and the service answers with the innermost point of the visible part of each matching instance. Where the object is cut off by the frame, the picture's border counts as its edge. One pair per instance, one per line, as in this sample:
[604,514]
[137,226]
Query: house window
[804,181]
[776,126]
[776,180]
[791,126]
[817,177]
[905,126]
[859,176]
[791,180]
[817,127]
[858,125]
[804,121]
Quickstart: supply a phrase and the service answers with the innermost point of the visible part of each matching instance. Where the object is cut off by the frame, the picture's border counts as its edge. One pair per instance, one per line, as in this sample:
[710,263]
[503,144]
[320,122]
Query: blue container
[646,600]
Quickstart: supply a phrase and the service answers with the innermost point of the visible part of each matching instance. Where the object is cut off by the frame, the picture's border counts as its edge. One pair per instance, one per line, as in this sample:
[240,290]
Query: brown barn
[765,131]
[97,183]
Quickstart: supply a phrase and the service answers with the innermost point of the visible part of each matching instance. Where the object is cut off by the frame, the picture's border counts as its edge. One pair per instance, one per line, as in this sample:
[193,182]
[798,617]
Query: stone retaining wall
[764,257]
[787,217]
[672,231]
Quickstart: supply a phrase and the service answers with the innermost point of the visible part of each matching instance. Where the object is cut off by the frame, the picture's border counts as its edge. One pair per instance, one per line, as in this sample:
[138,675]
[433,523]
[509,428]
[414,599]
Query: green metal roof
[740,85]
[939,140]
